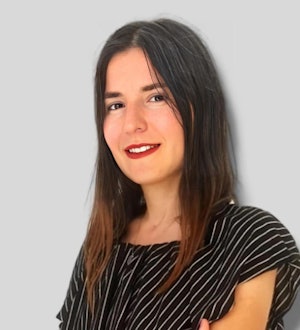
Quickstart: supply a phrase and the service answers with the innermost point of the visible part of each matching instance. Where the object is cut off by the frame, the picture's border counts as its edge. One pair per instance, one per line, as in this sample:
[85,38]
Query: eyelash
[119,105]
[162,97]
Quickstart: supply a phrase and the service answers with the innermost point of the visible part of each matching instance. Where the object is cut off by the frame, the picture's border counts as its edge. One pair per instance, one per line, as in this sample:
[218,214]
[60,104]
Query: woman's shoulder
[239,211]
[246,223]
[246,217]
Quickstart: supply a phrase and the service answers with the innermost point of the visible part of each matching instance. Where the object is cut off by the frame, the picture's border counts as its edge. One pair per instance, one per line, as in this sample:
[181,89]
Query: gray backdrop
[48,140]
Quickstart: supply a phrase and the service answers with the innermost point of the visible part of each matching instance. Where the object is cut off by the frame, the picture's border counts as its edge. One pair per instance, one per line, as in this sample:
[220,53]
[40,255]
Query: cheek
[109,134]
[172,126]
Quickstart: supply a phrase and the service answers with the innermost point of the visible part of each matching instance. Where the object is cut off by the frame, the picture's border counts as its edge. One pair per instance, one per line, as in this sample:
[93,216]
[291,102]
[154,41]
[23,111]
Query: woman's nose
[135,119]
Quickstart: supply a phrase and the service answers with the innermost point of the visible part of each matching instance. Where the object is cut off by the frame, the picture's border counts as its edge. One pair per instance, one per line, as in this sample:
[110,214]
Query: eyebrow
[147,88]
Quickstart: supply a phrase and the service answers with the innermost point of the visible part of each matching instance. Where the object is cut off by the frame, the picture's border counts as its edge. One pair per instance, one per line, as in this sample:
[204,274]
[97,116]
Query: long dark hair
[183,63]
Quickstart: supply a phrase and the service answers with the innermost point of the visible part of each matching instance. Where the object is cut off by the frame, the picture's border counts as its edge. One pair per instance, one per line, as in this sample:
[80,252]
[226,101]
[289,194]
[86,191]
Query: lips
[136,151]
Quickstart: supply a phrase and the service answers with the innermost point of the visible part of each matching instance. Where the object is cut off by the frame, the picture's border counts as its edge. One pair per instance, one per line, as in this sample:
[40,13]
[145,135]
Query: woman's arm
[252,304]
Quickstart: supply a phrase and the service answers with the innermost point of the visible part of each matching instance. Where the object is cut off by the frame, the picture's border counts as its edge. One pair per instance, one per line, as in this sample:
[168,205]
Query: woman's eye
[157,98]
[115,106]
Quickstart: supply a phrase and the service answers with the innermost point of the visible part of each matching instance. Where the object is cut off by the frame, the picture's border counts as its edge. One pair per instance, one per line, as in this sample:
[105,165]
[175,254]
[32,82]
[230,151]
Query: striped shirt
[242,242]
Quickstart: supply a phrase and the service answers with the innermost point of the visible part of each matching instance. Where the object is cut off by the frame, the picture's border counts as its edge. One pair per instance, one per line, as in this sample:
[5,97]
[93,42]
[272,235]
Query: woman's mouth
[141,150]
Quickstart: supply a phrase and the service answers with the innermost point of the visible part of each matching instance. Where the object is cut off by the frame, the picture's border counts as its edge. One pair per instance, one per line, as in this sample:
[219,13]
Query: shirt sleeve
[74,295]
[271,246]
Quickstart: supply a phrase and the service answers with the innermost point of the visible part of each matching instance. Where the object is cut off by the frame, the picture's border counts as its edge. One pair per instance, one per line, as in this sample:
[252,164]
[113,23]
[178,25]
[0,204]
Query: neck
[161,222]
[162,204]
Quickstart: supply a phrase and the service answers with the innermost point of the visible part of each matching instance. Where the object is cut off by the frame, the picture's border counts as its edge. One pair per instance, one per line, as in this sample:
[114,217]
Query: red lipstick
[135,151]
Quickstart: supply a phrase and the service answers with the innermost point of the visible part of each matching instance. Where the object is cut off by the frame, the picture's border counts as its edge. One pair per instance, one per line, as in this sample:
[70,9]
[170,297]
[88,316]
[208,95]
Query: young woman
[168,245]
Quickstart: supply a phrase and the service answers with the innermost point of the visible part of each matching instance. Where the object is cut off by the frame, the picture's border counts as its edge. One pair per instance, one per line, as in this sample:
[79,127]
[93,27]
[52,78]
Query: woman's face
[141,129]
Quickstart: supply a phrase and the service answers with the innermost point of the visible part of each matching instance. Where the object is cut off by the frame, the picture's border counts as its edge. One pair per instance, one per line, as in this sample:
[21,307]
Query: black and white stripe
[242,242]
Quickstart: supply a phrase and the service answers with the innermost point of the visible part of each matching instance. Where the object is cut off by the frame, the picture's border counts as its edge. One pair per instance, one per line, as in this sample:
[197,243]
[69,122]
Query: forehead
[130,67]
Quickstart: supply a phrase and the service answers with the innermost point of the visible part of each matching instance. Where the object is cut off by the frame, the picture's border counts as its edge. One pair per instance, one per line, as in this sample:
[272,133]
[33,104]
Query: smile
[137,151]
[141,149]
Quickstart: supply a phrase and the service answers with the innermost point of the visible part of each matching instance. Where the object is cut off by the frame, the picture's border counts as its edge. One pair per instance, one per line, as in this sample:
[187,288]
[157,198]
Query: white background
[48,139]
